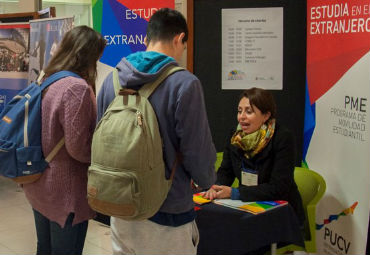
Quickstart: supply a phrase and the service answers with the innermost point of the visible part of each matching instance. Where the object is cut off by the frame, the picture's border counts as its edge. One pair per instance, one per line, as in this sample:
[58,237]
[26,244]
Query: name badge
[249,177]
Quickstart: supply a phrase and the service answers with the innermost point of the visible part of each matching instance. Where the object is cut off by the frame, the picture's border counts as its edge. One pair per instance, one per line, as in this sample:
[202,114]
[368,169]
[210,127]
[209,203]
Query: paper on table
[230,202]
[251,207]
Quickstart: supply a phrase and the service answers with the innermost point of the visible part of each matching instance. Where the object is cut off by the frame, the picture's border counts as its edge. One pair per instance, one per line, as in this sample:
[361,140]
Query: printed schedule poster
[252,48]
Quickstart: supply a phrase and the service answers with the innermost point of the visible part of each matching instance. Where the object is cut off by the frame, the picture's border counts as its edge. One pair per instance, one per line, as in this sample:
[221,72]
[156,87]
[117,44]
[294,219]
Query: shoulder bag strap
[54,77]
[149,88]
[55,150]
[116,85]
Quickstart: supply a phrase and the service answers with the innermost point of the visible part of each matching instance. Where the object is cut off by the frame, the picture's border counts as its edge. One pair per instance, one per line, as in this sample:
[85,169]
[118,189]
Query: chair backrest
[312,187]
[218,160]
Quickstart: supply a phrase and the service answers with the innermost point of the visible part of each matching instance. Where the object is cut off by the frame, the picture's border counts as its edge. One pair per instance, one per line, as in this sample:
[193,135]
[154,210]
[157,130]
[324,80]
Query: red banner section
[144,8]
[13,25]
[337,37]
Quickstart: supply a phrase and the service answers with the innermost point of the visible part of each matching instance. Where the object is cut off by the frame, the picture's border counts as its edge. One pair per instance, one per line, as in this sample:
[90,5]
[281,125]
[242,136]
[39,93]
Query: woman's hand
[218,191]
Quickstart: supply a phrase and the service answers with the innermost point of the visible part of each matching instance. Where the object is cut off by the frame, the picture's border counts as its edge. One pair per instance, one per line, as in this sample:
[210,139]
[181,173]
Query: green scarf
[253,143]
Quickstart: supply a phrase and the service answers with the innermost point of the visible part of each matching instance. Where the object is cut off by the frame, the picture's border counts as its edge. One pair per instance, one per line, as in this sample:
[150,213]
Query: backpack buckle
[129,92]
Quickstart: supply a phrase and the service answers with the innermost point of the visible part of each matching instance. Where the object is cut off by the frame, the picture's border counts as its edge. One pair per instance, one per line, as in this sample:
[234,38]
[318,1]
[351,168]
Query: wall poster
[337,138]
[252,48]
[45,35]
[14,44]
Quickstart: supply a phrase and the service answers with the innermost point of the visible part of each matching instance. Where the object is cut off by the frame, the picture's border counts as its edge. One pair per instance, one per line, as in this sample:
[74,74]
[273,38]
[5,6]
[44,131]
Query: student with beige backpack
[178,151]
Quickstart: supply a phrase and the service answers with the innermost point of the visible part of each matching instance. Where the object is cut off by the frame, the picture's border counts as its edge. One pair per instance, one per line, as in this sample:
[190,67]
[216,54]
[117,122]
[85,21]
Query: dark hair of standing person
[165,24]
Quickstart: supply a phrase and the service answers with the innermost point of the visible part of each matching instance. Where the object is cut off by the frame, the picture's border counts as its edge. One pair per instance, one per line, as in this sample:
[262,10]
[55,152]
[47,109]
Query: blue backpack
[21,157]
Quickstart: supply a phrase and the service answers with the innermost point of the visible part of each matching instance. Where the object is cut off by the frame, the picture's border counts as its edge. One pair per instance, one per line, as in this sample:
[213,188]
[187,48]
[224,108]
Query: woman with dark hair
[58,198]
[260,154]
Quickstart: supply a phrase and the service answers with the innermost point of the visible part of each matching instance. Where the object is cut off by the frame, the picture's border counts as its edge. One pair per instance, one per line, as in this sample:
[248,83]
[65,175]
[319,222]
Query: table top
[225,230]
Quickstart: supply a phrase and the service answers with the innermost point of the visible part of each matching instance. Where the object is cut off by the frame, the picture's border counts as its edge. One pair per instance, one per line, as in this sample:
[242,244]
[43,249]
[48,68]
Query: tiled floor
[17,230]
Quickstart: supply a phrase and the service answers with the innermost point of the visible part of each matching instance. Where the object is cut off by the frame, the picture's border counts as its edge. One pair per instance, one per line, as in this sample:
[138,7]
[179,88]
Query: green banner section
[97,9]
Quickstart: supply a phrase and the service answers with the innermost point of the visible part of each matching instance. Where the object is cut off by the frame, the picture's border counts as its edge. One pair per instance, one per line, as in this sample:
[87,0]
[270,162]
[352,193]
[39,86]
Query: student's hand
[218,191]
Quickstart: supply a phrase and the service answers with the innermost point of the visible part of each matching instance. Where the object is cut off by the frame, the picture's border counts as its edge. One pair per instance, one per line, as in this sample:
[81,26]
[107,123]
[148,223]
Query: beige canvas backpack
[126,178]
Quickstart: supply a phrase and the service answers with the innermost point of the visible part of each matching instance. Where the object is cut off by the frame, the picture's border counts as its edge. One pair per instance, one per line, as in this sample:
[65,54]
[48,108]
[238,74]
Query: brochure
[199,199]
[255,207]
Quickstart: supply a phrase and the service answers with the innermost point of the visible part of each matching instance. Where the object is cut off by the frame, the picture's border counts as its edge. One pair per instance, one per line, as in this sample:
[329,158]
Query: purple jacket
[69,110]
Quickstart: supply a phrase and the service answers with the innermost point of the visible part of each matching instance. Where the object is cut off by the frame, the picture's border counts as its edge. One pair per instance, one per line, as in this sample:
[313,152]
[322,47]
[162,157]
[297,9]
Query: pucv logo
[332,217]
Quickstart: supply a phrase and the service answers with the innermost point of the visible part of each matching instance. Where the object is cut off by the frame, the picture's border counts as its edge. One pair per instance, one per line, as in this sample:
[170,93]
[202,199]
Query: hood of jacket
[143,67]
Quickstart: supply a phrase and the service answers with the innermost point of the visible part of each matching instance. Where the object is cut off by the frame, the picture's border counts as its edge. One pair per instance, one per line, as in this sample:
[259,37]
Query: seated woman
[261,154]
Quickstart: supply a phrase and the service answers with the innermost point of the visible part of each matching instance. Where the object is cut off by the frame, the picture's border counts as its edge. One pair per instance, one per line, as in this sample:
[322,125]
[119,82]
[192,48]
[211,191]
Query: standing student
[179,105]
[58,198]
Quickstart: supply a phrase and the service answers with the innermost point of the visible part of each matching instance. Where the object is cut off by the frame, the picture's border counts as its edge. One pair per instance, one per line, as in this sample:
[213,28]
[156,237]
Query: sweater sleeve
[282,173]
[196,145]
[225,173]
[79,115]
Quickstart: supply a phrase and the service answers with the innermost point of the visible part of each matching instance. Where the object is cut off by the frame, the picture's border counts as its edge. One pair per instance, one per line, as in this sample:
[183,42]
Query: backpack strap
[41,76]
[149,88]
[116,85]
[55,150]
[56,76]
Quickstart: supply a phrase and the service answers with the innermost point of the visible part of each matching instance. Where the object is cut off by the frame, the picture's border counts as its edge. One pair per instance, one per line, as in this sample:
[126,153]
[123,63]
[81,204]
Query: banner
[45,35]
[123,24]
[13,60]
[337,122]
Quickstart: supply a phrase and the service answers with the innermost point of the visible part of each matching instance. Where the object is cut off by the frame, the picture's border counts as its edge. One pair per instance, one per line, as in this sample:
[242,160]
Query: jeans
[55,240]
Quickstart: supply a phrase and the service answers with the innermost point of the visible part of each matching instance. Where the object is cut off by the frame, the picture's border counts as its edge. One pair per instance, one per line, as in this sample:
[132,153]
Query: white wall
[180,5]
[29,5]
[80,11]
[8,7]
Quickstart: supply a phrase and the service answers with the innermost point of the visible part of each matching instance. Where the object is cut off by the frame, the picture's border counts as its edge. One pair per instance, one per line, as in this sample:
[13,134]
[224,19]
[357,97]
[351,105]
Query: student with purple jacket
[58,198]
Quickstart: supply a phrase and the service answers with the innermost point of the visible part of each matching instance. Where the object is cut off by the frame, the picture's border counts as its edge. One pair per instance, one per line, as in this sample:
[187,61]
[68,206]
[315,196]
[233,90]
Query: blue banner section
[309,123]
[123,31]
[14,84]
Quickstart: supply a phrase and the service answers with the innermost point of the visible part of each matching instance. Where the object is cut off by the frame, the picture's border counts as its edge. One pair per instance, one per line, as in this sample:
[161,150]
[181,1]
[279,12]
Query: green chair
[312,187]
[218,160]
[218,164]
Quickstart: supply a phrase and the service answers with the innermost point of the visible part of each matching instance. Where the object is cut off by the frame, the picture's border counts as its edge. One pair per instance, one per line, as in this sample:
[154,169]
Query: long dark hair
[78,52]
